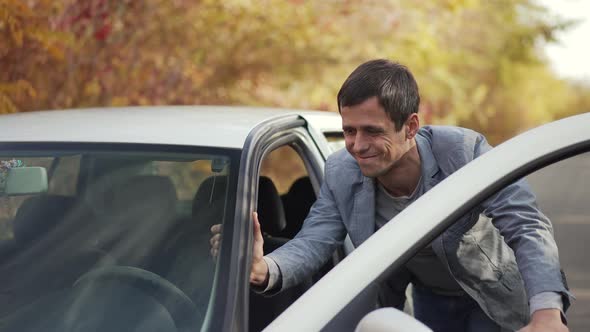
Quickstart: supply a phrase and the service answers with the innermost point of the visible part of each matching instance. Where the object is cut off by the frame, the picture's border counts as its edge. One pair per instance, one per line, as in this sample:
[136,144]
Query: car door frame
[265,137]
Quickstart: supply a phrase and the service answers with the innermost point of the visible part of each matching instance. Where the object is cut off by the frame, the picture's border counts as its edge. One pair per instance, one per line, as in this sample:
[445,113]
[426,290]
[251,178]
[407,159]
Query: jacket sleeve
[322,231]
[514,212]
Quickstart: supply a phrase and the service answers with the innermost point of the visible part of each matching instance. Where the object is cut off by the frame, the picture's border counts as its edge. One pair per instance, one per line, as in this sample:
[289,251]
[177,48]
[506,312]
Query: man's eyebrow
[372,128]
[364,128]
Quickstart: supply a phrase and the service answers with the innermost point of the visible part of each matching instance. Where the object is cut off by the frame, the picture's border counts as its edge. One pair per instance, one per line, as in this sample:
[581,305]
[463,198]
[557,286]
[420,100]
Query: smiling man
[496,268]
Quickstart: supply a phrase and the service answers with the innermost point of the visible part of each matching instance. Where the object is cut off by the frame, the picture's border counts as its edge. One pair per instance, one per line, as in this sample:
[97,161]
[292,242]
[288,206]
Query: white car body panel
[323,121]
[340,286]
[214,126]
[390,320]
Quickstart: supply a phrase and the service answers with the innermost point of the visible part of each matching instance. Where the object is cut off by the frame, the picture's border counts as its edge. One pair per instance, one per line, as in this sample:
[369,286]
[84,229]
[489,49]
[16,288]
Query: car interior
[134,249]
[124,244]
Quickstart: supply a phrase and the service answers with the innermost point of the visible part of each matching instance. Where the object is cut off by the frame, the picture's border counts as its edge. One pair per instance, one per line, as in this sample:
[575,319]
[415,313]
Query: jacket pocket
[474,262]
[491,243]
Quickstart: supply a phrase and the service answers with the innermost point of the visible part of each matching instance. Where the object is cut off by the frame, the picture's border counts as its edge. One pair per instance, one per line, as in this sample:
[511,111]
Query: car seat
[297,202]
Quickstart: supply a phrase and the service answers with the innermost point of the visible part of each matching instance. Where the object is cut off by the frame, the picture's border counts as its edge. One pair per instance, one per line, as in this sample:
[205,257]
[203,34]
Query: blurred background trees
[478,63]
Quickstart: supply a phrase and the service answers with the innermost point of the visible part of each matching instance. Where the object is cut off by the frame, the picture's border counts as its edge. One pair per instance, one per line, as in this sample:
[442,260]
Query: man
[468,278]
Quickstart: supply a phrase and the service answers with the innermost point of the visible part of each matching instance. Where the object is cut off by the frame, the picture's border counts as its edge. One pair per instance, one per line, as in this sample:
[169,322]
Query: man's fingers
[257,231]
[214,241]
[215,229]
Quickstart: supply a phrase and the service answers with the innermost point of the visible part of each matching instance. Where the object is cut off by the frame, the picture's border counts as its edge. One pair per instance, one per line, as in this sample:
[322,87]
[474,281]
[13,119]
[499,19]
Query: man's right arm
[273,278]
[322,232]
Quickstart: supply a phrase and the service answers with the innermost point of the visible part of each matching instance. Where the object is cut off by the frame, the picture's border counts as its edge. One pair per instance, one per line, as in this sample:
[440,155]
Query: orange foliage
[477,62]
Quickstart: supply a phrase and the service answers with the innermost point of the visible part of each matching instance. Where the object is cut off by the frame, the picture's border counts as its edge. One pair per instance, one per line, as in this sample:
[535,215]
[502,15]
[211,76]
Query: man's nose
[360,143]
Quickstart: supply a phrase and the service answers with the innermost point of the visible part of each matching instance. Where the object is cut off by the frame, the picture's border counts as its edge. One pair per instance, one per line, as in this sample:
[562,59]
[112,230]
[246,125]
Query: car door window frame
[235,312]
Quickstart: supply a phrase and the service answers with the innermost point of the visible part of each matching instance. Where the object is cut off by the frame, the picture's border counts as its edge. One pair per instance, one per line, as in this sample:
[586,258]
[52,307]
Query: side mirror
[390,320]
[26,181]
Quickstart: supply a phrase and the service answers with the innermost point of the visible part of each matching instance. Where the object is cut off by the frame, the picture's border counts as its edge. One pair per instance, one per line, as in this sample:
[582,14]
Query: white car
[107,213]
[105,217]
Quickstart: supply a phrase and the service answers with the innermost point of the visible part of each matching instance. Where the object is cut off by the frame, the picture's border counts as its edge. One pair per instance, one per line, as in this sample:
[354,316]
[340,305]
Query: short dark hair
[392,83]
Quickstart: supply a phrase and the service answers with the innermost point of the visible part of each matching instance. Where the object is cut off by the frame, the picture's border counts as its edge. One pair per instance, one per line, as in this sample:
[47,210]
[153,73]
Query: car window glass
[563,191]
[123,225]
[335,140]
[284,169]
[64,179]
[187,177]
[283,166]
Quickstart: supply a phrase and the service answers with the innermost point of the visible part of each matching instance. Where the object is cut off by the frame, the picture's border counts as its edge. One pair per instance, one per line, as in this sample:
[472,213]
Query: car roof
[219,126]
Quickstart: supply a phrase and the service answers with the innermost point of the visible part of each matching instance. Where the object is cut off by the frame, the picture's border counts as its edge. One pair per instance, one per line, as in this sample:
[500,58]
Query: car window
[283,166]
[281,217]
[63,177]
[335,140]
[562,191]
[62,180]
[107,221]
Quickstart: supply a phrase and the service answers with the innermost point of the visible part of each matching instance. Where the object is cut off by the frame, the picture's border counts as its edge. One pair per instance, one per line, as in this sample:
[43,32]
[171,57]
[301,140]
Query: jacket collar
[430,170]
[429,165]
[363,211]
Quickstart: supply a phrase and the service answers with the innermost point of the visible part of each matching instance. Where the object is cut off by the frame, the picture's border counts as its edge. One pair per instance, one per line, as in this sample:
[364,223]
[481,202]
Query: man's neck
[403,178]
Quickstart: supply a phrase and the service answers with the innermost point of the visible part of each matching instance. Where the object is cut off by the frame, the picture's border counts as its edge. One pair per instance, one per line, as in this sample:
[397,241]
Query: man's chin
[373,172]
[369,173]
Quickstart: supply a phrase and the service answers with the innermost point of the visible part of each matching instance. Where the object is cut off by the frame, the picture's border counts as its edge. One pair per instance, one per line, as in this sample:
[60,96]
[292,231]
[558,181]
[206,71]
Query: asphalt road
[563,194]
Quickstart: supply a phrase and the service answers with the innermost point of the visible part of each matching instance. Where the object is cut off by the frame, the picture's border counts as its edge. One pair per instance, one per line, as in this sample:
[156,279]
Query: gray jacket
[484,264]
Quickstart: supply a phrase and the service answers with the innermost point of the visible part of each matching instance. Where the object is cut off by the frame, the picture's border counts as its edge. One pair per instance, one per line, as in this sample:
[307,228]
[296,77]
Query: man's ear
[412,125]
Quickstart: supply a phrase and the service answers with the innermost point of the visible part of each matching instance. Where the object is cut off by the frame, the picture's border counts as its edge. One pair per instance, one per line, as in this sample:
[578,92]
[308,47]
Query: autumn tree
[478,63]
[31,47]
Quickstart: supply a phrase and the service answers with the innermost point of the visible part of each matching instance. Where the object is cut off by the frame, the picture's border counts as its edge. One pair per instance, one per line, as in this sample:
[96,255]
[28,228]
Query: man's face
[371,138]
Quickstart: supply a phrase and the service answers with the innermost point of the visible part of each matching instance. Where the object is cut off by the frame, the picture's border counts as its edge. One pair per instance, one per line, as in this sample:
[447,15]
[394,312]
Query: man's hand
[215,239]
[259,269]
[545,320]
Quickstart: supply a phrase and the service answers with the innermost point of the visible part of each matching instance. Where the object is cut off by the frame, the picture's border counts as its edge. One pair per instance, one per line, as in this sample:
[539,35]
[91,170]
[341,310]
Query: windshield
[94,231]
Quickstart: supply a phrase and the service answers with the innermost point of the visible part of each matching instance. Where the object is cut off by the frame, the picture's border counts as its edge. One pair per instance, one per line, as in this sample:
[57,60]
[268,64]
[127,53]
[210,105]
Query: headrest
[213,189]
[302,189]
[150,192]
[270,207]
[38,215]
[143,204]
[297,201]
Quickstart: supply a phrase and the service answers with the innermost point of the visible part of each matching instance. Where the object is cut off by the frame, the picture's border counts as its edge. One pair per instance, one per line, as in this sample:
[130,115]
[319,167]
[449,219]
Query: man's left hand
[545,320]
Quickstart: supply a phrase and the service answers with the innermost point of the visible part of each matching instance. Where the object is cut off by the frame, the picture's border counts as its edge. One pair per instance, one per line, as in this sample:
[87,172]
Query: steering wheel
[181,308]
